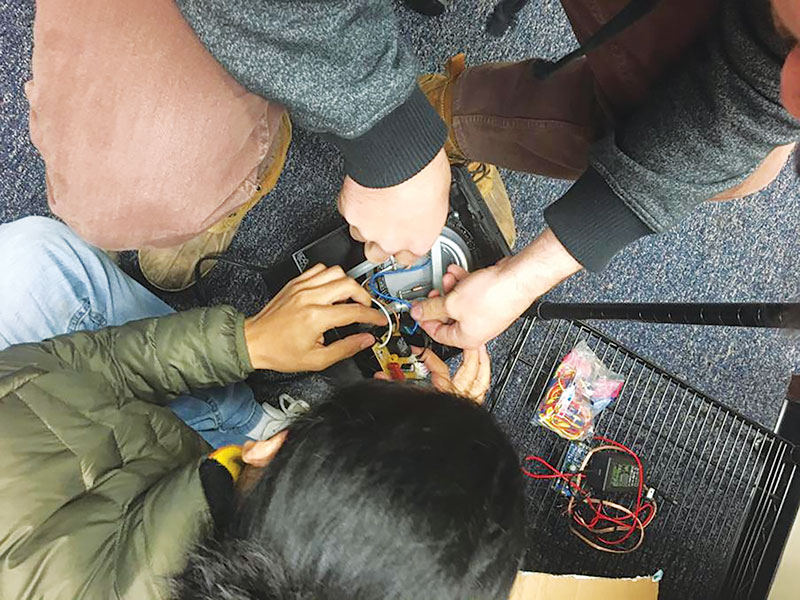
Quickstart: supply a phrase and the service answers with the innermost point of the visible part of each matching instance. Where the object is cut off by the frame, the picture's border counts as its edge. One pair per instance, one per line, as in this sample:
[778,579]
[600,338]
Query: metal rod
[776,315]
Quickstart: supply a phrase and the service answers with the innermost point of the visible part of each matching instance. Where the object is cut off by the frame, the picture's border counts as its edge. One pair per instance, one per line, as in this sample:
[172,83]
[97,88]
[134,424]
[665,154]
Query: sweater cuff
[593,223]
[218,487]
[396,148]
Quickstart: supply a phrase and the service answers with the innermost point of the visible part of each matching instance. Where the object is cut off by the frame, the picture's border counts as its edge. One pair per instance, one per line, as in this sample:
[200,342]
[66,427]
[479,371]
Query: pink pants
[146,139]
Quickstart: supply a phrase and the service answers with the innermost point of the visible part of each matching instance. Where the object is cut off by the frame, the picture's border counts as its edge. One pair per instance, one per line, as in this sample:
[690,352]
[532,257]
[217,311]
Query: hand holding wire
[287,335]
[372,283]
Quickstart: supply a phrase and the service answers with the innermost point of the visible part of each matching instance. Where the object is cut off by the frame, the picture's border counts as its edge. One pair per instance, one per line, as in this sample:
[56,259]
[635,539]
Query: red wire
[629,523]
[638,510]
[566,477]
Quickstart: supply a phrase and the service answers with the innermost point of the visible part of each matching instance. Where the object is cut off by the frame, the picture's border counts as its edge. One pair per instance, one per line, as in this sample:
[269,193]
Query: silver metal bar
[696,441]
[738,564]
[654,465]
[749,543]
[437,271]
[726,495]
[701,498]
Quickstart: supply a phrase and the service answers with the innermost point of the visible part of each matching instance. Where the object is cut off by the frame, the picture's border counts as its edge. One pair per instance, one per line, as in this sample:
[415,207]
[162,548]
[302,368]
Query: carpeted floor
[743,250]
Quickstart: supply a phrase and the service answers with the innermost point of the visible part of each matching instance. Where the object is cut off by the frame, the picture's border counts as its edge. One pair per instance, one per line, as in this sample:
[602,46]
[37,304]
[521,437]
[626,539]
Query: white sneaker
[279,419]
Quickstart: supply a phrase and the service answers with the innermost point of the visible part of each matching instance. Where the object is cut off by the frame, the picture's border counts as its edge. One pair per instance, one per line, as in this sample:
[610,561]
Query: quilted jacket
[100,495]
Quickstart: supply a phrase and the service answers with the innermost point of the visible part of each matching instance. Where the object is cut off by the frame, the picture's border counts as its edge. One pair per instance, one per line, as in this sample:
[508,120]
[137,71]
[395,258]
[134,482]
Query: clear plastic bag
[580,389]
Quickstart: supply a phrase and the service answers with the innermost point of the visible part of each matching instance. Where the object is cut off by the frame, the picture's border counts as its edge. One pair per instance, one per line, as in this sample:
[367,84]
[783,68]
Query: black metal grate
[721,478]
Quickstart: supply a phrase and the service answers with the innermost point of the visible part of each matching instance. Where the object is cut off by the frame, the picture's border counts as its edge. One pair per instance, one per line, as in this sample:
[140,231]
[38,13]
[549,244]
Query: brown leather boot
[173,269]
[439,91]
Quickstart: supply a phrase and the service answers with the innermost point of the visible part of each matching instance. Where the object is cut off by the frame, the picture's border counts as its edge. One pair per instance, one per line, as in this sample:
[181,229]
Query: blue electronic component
[374,289]
[571,461]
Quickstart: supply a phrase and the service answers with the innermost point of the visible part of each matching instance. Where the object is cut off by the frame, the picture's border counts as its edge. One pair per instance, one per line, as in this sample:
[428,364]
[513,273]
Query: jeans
[54,283]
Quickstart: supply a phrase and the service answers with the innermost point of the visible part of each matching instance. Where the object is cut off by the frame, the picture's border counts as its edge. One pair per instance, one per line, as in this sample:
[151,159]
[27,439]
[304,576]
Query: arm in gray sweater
[705,130]
[339,68]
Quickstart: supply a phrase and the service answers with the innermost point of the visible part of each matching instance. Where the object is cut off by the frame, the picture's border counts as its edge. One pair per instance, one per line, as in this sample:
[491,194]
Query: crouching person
[54,283]
[381,491]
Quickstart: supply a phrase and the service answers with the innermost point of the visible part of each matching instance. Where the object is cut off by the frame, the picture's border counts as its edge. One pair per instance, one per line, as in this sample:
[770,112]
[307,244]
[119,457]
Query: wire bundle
[602,524]
[570,415]
[373,287]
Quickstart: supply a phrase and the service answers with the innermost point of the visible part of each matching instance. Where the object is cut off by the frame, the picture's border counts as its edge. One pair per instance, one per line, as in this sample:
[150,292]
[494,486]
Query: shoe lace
[478,170]
[281,417]
[292,407]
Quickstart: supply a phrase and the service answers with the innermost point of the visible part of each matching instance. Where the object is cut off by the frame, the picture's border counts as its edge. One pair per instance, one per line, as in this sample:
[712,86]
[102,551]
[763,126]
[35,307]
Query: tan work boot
[489,183]
[173,269]
[439,91]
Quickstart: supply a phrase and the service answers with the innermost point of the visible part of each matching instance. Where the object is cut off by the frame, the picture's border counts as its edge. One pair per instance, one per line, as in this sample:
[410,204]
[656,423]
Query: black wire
[632,12]
[480,173]
[203,299]
[503,16]
[198,275]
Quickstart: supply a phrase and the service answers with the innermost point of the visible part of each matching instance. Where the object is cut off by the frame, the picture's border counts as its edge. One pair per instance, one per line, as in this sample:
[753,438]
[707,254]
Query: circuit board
[571,461]
[398,362]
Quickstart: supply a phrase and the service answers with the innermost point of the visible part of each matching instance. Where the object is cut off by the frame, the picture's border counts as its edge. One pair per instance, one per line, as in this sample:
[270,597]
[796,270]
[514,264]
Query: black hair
[384,491]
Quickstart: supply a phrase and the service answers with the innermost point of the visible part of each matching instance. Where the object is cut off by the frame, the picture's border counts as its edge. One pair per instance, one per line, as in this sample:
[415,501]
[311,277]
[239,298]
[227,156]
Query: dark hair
[384,491]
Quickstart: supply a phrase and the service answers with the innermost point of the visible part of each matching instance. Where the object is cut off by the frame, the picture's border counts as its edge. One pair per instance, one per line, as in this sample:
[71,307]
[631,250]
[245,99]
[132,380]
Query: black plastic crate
[725,483]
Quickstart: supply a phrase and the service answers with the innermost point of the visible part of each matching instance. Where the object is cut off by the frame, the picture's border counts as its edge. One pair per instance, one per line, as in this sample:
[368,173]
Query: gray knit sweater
[339,67]
[704,130]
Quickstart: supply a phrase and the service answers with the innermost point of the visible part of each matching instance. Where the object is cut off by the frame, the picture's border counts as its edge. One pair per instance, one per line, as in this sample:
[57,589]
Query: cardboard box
[540,586]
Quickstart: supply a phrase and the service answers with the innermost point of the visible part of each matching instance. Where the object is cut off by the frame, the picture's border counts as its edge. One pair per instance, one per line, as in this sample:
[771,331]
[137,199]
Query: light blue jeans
[52,283]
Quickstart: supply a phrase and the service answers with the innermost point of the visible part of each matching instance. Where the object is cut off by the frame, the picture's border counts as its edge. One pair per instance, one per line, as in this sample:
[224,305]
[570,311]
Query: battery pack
[613,472]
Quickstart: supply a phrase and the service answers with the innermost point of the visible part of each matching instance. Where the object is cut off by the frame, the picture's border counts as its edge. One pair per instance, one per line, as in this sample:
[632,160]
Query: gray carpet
[738,251]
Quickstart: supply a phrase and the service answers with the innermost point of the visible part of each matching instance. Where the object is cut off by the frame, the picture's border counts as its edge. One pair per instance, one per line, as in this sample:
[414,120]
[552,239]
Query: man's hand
[481,305]
[287,335]
[471,380]
[403,220]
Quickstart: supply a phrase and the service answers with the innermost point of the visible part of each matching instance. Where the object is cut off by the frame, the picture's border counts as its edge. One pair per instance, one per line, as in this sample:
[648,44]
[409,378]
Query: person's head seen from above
[385,491]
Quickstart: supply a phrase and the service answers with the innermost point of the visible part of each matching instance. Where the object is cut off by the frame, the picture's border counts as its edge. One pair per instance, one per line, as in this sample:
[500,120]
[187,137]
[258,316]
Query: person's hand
[471,380]
[479,306]
[403,220]
[287,335]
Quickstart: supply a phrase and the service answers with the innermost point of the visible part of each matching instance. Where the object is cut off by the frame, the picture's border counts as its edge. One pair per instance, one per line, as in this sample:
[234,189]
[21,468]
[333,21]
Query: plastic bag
[580,389]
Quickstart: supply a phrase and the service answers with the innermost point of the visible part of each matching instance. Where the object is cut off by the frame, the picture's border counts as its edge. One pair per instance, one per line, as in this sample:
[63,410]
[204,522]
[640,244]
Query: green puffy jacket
[100,495]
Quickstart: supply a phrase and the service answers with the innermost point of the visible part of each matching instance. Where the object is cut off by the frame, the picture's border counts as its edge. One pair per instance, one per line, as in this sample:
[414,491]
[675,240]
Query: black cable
[503,16]
[431,8]
[776,315]
[633,11]
[202,298]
